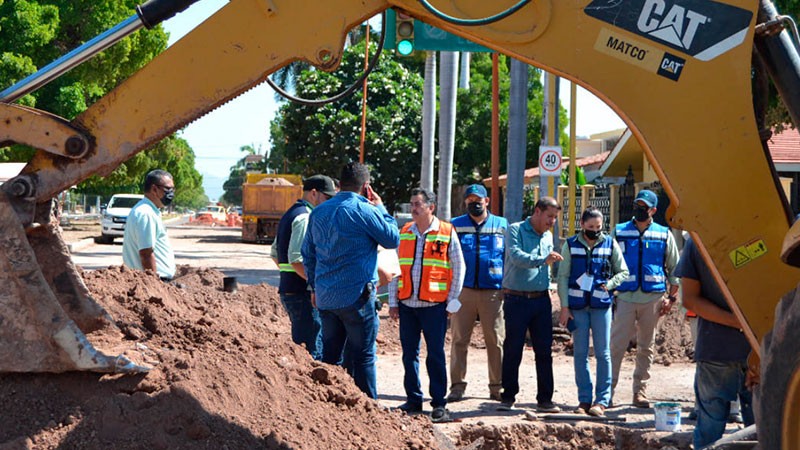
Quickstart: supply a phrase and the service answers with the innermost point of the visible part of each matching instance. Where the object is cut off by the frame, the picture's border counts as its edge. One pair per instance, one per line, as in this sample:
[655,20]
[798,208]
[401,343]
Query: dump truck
[689,78]
[265,197]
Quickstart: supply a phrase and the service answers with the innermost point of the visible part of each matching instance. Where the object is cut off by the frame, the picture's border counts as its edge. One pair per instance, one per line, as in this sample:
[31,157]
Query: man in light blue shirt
[340,256]
[526,287]
[145,245]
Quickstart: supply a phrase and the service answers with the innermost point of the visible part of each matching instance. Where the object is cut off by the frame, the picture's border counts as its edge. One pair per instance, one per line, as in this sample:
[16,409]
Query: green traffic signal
[405,47]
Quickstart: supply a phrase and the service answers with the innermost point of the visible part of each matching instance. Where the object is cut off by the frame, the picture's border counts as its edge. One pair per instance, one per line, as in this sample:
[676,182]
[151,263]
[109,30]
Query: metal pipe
[780,55]
[72,59]
[147,15]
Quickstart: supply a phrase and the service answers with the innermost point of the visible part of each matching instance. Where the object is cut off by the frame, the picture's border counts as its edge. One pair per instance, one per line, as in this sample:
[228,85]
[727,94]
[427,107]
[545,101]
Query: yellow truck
[265,197]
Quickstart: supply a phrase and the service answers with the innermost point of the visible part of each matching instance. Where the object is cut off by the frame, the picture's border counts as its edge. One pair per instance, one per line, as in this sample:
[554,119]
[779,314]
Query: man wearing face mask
[145,245]
[286,252]
[647,294]
[482,238]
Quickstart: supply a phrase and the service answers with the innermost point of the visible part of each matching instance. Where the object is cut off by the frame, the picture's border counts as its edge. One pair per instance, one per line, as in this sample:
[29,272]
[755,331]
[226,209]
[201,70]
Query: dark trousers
[357,327]
[523,314]
[306,324]
[431,322]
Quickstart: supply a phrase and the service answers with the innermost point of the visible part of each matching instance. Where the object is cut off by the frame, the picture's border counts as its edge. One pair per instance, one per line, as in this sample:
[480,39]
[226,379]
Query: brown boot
[640,400]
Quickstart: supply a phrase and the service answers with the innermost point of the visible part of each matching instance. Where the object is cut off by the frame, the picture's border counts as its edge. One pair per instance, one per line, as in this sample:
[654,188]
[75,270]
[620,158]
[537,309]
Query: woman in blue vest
[593,267]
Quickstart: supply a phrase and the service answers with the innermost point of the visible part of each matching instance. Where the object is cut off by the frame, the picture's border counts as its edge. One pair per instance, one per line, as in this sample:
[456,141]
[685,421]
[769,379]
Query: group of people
[612,287]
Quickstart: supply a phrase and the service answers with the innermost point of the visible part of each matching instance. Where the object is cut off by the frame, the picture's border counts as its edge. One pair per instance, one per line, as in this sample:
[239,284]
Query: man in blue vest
[294,291]
[647,294]
[482,238]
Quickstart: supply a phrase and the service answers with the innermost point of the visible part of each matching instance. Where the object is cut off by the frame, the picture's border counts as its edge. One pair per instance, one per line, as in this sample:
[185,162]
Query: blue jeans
[357,327]
[523,314]
[432,323]
[306,324]
[599,322]
[716,385]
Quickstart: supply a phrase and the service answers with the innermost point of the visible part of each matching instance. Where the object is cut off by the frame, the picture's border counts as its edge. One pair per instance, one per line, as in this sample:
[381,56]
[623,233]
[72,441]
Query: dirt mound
[673,339]
[562,436]
[226,376]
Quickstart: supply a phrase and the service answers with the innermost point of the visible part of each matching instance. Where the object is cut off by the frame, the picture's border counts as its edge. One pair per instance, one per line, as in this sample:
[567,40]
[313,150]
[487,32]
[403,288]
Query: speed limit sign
[549,161]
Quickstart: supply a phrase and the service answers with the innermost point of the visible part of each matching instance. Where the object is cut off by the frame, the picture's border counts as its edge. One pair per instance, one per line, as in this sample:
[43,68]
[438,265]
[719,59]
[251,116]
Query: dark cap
[476,189]
[648,197]
[321,183]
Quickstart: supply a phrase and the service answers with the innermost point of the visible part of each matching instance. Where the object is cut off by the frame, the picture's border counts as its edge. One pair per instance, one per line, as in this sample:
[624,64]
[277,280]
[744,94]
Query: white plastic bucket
[668,416]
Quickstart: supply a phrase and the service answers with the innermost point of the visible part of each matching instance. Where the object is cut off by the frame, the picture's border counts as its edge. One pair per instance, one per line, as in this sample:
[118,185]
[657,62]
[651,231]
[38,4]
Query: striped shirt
[456,265]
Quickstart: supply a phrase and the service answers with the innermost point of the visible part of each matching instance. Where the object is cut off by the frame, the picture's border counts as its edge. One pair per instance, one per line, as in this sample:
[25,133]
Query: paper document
[585,282]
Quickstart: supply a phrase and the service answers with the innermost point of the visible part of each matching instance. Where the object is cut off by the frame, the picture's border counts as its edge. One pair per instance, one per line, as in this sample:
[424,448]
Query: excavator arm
[678,72]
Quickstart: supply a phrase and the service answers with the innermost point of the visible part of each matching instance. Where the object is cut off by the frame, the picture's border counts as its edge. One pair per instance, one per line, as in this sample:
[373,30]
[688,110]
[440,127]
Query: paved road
[218,247]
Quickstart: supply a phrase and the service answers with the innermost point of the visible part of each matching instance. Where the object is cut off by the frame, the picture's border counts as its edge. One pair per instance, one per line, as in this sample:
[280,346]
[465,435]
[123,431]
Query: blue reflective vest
[291,282]
[483,247]
[594,262]
[645,254]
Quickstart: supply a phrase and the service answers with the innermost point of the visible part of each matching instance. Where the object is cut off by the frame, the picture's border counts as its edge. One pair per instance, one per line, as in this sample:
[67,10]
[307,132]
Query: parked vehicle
[115,215]
[265,197]
[212,213]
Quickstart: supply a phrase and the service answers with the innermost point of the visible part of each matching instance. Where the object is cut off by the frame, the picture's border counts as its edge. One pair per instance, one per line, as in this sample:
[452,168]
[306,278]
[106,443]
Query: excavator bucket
[45,307]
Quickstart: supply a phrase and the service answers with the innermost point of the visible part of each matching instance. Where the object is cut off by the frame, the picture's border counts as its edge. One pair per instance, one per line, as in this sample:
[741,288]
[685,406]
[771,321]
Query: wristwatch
[672,298]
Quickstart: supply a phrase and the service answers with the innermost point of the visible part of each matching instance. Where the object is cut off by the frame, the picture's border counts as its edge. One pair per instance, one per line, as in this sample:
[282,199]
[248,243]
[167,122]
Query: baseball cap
[321,183]
[648,197]
[476,189]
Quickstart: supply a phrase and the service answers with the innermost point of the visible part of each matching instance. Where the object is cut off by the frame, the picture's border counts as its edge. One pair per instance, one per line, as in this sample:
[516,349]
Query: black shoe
[410,408]
[505,405]
[455,396]
[440,414]
[548,407]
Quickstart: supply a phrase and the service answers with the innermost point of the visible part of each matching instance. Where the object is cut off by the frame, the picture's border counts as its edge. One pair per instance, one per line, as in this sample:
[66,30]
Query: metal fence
[604,197]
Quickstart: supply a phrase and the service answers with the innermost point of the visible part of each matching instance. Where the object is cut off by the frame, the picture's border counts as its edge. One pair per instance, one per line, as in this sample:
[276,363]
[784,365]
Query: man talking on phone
[340,256]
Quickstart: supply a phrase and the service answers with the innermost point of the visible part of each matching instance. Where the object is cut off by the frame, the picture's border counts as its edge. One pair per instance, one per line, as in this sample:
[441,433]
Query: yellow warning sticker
[747,253]
[739,257]
[756,249]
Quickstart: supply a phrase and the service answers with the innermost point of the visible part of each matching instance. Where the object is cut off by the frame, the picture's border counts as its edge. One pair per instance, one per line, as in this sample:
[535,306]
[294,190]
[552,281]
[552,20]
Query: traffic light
[404,33]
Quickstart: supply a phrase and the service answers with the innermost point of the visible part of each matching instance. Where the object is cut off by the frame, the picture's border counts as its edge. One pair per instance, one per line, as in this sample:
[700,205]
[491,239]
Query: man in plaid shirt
[431,277]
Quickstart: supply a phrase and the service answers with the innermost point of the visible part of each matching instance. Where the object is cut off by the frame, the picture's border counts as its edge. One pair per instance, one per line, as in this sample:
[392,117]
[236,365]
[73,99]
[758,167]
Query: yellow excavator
[689,78]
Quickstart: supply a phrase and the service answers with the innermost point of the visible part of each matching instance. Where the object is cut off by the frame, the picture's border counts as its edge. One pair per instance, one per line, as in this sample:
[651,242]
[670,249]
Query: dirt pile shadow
[226,376]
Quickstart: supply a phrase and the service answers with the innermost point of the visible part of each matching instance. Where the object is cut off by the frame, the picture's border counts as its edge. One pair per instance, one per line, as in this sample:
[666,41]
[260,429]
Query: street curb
[80,245]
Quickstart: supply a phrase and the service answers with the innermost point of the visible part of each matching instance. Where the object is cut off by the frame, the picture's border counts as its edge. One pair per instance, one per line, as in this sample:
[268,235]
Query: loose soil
[227,376]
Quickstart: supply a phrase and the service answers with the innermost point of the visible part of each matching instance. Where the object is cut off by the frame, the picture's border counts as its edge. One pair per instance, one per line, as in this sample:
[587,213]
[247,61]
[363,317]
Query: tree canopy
[309,140]
[34,33]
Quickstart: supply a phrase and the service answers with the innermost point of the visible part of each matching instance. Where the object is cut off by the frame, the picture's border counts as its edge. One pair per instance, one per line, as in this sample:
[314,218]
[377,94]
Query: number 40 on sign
[549,161]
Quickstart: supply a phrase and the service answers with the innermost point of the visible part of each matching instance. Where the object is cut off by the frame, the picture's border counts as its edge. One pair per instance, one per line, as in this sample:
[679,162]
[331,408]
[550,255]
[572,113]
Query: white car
[115,215]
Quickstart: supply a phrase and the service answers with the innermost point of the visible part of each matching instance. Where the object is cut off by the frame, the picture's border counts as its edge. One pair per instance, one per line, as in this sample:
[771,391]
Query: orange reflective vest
[437,274]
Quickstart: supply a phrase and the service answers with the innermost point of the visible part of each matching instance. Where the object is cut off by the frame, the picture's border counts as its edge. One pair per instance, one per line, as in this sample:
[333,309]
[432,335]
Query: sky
[217,137]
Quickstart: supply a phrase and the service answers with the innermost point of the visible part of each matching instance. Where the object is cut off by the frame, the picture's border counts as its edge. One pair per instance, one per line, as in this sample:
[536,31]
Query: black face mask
[168,196]
[640,213]
[592,234]
[476,209]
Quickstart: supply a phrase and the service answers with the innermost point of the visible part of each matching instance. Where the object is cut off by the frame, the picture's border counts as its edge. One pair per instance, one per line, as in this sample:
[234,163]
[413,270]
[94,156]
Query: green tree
[322,139]
[233,185]
[34,33]
[777,115]
[172,154]
[473,130]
